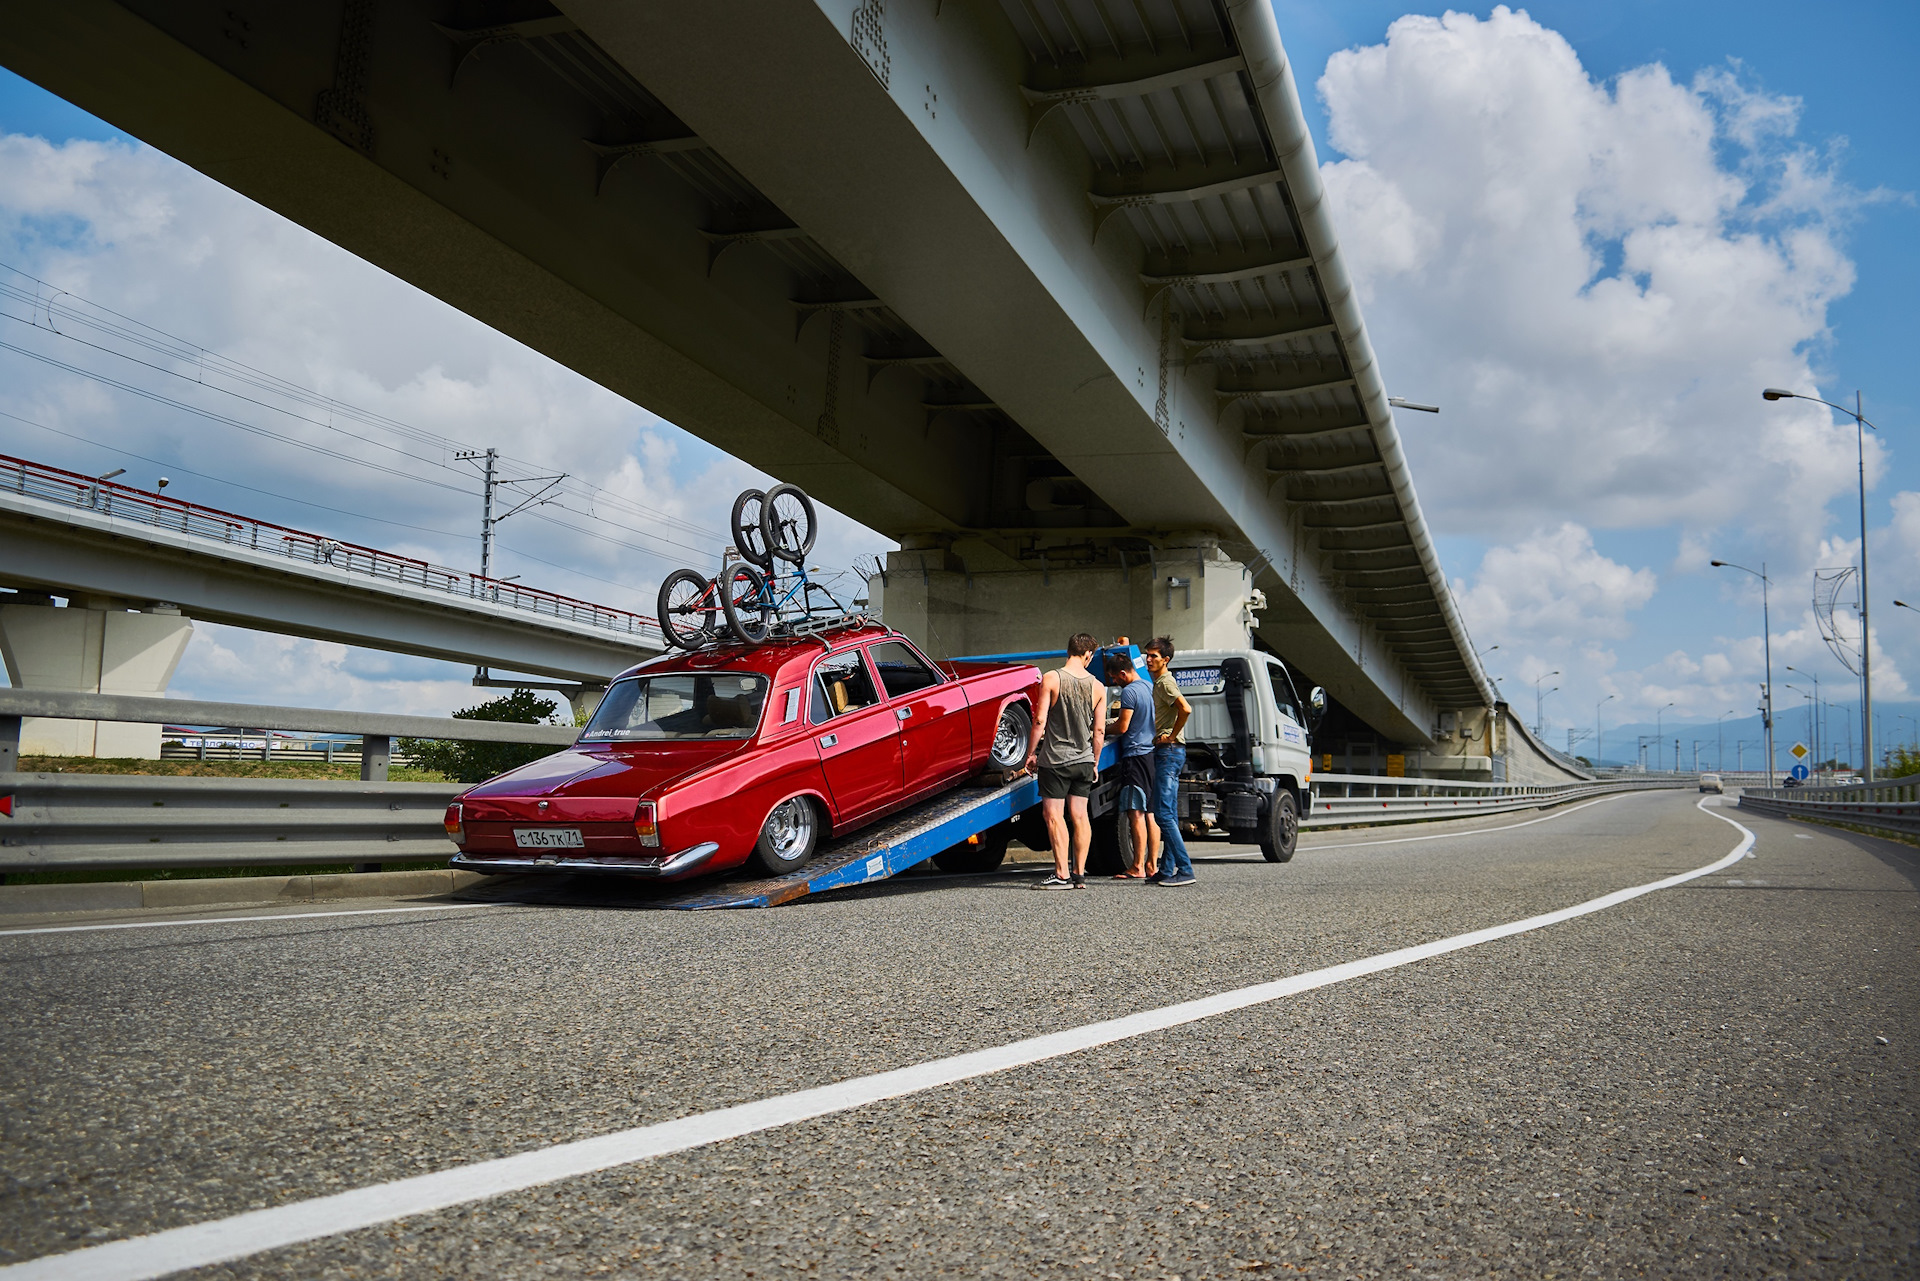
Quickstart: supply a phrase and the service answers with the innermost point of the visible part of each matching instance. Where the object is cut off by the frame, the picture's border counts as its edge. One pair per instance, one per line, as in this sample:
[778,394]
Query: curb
[229,891]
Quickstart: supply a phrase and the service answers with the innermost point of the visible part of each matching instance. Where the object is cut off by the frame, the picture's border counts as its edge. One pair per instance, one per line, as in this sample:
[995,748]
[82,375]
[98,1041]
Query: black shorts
[1058,782]
[1137,782]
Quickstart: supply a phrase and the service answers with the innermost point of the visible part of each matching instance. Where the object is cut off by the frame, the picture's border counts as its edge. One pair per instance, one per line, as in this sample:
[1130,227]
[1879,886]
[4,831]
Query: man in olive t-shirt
[1170,713]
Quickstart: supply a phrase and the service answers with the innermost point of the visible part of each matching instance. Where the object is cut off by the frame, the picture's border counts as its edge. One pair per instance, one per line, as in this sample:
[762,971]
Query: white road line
[201,1245]
[243,920]
[1470,831]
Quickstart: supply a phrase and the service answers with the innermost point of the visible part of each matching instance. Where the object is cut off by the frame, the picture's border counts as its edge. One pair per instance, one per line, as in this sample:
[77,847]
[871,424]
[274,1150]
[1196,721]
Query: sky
[1590,233]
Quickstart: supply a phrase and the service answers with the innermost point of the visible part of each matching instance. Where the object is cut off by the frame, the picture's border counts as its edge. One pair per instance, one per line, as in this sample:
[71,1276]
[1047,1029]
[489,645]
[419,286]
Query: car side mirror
[1317,708]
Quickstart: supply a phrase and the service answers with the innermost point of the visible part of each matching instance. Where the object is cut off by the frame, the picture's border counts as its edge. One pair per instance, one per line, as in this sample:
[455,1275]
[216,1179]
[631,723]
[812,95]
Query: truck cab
[1249,754]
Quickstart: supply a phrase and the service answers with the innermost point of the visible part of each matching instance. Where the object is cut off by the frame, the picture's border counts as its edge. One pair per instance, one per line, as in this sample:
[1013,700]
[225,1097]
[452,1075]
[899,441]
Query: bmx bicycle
[754,596]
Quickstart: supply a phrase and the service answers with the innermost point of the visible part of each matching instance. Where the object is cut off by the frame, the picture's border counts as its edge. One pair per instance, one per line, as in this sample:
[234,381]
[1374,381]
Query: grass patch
[97,875]
[345,770]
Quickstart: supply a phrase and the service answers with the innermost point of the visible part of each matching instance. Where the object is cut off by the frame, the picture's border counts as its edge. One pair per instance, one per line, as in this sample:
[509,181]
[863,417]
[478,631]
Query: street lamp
[1860,426]
[1766,636]
[1657,748]
[1720,741]
[1596,726]
[1903,605]
[1539,721]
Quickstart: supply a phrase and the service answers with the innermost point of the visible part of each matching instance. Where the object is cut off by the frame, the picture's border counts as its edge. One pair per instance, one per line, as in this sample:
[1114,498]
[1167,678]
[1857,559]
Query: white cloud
[133,230]
[1554,589]
[1589,279]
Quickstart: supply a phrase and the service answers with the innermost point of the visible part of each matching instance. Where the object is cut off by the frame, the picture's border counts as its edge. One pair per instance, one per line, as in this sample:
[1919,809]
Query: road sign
[1800,772]
[1799,751]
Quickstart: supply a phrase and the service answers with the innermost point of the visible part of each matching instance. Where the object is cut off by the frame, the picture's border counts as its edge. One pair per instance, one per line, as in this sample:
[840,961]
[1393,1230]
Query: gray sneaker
[1055,883]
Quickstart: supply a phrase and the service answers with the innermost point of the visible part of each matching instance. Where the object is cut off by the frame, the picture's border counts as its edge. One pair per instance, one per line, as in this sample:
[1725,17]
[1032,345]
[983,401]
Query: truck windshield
[679,705]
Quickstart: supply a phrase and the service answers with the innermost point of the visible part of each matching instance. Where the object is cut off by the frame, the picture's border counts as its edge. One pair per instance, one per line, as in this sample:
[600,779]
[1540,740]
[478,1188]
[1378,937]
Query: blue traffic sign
[1800,772]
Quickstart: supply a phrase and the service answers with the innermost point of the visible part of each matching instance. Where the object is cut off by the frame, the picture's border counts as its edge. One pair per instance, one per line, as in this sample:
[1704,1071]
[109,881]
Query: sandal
[1128,876]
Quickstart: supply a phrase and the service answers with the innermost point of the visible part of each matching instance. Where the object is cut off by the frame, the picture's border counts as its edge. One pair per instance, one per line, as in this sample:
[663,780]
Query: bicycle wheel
[748,537]
[786,517]
[686,609]
[748,602]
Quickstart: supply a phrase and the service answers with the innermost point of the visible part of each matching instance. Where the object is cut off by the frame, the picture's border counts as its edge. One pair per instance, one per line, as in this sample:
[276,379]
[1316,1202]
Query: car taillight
[456,832]
[643,825]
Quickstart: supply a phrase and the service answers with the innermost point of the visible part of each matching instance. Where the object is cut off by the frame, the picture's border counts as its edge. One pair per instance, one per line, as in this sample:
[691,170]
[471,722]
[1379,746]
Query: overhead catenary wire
[268,433]
[76,312]
[252,489]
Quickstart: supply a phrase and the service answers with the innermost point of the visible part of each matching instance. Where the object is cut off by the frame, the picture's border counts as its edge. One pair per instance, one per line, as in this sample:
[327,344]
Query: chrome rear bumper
[687,860]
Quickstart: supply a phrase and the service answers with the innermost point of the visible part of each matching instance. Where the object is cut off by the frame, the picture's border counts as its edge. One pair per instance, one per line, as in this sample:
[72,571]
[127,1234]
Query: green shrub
[478,762]
[1901,761]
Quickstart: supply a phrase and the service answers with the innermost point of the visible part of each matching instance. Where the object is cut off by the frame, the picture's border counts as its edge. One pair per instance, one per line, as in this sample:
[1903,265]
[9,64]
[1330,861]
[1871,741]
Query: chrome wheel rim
[789,829]
[1008,749]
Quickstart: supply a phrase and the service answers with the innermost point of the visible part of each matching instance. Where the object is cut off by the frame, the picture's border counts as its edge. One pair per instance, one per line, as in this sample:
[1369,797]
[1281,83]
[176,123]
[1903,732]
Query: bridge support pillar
[91,647]
[1191,592]
[585,701]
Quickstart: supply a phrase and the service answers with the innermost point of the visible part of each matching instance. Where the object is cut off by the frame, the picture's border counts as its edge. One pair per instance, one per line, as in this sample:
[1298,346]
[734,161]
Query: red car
[703,761]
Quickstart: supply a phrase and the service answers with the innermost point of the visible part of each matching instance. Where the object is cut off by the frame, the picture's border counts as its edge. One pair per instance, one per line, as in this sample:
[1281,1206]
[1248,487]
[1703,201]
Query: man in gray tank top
[1068,733]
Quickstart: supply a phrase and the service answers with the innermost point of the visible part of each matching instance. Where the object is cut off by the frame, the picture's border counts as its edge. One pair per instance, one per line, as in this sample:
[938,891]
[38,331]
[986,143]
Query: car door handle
[828,740]
[903,712]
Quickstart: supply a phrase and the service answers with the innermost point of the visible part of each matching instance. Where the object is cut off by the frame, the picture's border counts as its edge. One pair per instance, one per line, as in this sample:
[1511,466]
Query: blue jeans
[1168,761]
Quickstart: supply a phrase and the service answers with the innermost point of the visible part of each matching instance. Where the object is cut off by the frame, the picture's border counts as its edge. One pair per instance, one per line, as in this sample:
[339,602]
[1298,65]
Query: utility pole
[486,514]
[490,474]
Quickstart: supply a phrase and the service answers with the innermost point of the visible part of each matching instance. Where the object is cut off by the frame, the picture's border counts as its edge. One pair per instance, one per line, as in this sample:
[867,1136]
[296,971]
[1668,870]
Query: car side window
[841,684]
[901,670]
[1283,692]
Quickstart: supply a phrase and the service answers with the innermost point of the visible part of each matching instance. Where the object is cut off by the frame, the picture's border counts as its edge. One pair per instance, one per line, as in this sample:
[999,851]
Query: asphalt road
[1692,1083]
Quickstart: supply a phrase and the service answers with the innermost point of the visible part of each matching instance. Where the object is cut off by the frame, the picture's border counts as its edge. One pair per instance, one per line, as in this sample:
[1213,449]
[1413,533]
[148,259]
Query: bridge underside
[969,274]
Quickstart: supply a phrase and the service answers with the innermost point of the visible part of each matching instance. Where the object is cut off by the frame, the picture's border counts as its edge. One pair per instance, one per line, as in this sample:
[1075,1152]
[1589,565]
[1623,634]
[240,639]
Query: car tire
[986,852]
[1280,832]
[1011,736]
[788,837]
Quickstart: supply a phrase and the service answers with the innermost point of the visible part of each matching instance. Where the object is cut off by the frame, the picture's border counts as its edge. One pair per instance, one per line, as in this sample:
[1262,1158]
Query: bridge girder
[724,216]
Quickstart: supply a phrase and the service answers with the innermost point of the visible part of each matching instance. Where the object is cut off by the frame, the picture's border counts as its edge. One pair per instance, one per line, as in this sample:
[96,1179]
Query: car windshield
[679,705]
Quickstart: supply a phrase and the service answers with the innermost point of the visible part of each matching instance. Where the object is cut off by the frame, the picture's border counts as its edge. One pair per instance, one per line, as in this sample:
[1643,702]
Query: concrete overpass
[1047,289]
[137,566]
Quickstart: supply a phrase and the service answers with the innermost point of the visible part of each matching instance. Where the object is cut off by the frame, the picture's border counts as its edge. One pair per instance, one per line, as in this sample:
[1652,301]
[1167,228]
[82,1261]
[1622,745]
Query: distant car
[1849,780]
[700,762]
[1791,781]
[1711,783]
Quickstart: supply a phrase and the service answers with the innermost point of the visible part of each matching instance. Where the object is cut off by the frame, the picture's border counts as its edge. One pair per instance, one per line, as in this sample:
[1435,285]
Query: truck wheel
[1281,832]
[981,853]
[788,837]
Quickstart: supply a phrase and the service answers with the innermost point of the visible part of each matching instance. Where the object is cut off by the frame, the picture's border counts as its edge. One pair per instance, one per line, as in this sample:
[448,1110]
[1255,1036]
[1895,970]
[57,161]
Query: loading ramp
[871,854]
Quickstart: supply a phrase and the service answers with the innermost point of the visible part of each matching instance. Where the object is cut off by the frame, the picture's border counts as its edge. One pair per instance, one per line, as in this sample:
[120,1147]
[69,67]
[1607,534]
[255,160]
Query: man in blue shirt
[1132,732]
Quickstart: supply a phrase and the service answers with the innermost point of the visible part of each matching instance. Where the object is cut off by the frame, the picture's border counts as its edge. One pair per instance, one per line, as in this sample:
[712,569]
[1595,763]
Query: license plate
[549,838]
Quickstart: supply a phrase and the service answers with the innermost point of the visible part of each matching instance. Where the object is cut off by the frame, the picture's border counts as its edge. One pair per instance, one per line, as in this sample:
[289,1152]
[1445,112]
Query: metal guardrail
[1892,805]
[137,820]
[180,711]
[73,821]
[144,507]
[1348,800]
